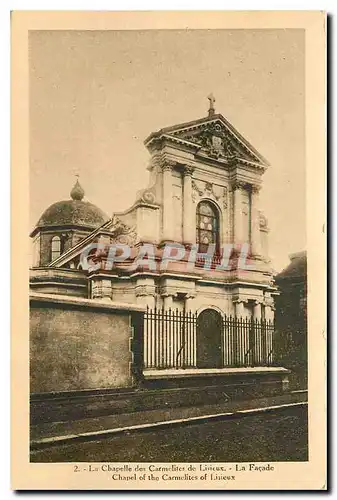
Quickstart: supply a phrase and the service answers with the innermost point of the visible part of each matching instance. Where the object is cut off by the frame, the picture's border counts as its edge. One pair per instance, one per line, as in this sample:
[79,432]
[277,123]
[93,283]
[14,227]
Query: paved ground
[277,436]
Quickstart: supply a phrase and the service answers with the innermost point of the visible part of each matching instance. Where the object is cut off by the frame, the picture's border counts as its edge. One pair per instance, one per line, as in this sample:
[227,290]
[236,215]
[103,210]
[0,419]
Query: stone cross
[211,99]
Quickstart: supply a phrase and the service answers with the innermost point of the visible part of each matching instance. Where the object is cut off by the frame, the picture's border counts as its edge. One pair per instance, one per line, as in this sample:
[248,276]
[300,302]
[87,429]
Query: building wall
[77,348]
[53,280]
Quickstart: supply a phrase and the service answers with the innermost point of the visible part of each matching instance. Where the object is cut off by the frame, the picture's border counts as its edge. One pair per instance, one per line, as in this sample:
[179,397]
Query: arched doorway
[209,339]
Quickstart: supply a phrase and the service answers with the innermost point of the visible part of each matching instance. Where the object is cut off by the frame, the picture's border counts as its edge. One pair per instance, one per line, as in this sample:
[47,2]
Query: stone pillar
[188,208]
[257,312]
[168,301]
[101,289]
[189,302]
[167,347]
[146,293]
[190,308]
[239,309]
[255,222]
[167,234]
[269,312]
[269,317]
[146,296]
[238,219]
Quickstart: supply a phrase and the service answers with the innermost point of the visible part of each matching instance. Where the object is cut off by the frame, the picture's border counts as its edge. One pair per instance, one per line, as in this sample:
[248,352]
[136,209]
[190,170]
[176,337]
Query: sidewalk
[47,434]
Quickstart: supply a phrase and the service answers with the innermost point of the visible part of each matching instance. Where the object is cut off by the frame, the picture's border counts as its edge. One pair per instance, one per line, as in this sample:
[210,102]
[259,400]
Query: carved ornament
[145,291]
[215,140]
[208,190]
[122,233]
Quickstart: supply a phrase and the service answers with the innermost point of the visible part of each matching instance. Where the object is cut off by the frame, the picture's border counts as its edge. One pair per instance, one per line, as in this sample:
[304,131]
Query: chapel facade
[204,184]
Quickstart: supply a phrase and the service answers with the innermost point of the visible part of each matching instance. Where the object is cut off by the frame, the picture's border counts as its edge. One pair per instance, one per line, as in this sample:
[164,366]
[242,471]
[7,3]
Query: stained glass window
[207,226]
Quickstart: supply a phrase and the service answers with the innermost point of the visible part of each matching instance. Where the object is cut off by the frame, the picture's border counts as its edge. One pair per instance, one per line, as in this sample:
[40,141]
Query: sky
[96,95]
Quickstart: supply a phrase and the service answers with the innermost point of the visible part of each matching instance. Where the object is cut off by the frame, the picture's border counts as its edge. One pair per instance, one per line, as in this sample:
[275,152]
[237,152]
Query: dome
[74,212]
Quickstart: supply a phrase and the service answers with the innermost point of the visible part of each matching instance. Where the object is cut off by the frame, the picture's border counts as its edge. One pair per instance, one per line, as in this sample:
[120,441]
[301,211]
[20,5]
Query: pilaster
[255,222]
[167,231]
[188,209]
[240,307]
[257,310]
[269,312]
[238,219]
[145,291]
[269,308]
[101,289]
[167,301]
[189,299]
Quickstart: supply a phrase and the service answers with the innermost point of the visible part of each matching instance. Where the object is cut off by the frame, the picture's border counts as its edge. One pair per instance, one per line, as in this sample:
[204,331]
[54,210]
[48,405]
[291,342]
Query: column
[145,292]
[188,209]
[146,296]
[269,312]
[238,222]
[256,338]
[167,234]
[270,339]
[255,222]
[239,309]
[257,312]
[168,301]
[167,348]
[189,301]
[191,340]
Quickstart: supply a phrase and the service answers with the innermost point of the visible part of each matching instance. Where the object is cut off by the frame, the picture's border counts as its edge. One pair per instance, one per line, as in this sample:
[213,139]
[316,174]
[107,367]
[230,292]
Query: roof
[175,129]
[73,212]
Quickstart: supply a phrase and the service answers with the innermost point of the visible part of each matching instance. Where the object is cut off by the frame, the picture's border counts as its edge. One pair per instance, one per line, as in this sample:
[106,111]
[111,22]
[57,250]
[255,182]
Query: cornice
[172,134]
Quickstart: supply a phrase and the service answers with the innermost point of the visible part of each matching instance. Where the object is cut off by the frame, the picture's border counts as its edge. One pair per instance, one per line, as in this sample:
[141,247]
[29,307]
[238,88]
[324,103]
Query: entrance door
[209,339]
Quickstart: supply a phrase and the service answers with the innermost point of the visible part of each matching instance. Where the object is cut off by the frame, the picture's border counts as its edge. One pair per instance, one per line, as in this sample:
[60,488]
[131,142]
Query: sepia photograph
[168,287]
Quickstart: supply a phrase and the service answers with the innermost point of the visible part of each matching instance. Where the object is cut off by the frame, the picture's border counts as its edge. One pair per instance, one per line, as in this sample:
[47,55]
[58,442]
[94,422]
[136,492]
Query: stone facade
[204,161]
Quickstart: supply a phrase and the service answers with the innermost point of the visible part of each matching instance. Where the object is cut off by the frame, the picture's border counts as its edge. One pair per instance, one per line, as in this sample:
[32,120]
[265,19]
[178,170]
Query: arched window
[55,247]
[207,226]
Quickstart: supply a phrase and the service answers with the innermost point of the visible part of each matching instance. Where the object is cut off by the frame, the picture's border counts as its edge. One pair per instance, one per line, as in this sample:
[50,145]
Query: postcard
[168,250]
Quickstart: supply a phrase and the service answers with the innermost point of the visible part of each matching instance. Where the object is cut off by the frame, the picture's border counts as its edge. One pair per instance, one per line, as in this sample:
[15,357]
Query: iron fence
[171,340]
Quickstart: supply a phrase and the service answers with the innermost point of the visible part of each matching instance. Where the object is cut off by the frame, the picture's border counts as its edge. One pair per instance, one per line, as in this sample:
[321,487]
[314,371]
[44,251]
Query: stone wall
[78,344]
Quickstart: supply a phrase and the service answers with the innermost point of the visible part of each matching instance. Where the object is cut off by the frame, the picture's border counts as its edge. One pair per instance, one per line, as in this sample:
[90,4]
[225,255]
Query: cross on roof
[211,109]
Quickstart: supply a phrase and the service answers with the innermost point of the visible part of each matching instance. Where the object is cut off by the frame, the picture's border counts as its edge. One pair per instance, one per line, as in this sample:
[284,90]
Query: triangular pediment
[213,136]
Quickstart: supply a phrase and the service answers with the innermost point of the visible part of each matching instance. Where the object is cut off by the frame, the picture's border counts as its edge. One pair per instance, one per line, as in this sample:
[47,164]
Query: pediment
[214,137]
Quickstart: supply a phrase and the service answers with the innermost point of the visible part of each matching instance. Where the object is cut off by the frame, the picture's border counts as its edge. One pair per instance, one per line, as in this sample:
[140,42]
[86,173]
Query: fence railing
[215,261]
[172,340]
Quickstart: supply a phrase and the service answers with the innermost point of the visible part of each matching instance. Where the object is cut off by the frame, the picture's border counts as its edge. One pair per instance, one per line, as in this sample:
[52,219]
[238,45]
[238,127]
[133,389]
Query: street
[276,436]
